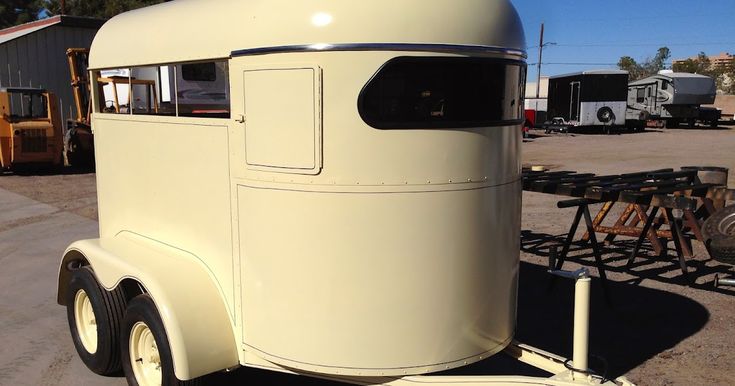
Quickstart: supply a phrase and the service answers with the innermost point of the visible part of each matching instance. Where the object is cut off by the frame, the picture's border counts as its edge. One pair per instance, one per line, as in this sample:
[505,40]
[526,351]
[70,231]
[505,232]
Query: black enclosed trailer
[589,98]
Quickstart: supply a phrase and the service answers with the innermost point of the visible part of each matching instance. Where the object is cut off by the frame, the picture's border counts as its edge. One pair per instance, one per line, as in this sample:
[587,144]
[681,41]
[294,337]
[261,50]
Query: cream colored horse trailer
[346,205]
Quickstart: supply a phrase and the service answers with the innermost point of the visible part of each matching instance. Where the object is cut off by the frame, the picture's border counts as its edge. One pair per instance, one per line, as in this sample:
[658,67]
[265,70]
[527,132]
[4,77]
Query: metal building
[34,54]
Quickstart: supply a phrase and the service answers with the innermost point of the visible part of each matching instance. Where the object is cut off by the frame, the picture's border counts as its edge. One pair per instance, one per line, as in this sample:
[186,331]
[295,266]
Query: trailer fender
[188,298]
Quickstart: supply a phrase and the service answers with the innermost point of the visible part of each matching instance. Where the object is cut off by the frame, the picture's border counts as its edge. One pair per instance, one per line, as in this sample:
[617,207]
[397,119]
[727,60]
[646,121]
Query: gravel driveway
[657,331]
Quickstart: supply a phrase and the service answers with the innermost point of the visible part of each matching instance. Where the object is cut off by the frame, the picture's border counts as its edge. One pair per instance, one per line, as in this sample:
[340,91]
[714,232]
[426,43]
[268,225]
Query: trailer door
[574,102]
[652,96]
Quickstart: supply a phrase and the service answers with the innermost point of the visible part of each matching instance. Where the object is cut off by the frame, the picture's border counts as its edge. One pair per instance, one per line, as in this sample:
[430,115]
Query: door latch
[240,118]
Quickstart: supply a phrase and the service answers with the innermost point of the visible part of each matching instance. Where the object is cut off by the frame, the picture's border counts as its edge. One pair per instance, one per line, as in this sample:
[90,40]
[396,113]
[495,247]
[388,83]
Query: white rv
[673,97]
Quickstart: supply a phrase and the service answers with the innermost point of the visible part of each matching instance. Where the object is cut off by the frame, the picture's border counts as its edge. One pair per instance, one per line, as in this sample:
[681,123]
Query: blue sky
[599,32]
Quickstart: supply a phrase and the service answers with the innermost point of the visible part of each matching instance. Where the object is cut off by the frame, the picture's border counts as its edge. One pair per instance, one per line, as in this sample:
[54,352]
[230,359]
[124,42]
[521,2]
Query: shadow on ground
[641,324]
[646,266]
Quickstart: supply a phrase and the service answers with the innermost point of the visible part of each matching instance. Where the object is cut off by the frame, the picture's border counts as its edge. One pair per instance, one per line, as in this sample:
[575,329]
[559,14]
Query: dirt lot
[657,331]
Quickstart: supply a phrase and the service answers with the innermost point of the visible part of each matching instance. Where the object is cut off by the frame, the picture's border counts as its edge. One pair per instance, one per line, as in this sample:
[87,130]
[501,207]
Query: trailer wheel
[719,234]
[605,115]
[147,359]
[95,317]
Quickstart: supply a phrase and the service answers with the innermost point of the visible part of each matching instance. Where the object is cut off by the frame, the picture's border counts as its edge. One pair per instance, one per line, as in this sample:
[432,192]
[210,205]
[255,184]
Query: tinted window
[640,95]
[440,92]
[199,72]
[204,91]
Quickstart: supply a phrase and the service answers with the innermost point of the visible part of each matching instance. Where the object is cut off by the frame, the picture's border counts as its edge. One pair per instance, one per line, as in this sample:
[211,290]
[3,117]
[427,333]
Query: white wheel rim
[144,357]
[85,321]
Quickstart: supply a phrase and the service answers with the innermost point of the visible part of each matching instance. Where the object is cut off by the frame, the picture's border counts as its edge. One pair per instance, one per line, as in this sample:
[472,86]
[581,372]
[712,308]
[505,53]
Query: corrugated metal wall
[39,60]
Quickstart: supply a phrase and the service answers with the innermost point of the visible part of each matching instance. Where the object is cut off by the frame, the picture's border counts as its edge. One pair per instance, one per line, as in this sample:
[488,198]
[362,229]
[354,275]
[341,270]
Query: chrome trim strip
[448,48]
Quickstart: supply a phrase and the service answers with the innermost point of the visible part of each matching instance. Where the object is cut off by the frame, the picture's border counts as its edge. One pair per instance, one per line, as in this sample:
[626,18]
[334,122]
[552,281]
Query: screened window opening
[188,89]
[441,92]
[114,90]
[203,89]
[150,91]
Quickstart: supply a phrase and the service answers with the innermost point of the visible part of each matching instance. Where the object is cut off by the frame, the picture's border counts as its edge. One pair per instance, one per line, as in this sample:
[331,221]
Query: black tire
[605,115]
[142,310]
[719,234]
[108,308]
[723,250]
[672,124]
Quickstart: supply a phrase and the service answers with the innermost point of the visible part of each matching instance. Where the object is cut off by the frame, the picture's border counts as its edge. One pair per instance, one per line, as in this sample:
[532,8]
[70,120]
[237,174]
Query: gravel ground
[655,330]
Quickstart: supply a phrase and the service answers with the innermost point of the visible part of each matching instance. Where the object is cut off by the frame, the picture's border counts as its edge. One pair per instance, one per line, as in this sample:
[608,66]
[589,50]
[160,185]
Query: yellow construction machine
[30,129]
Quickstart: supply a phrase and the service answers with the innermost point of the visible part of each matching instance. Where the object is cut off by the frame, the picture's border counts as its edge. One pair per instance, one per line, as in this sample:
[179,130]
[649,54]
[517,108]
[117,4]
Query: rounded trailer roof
[189,30]
[669,76]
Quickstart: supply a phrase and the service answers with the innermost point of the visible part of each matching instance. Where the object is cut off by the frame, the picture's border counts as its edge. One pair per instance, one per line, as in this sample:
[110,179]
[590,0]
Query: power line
[649,44]
[580,64]
[641,44]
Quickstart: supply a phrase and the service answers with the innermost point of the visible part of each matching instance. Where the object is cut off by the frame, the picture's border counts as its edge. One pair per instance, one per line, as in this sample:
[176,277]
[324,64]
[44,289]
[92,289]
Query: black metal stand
[583,211]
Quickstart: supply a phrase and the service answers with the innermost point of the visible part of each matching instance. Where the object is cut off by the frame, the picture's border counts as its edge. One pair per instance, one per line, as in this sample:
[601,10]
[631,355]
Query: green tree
[723,75]
[649,67]
[728,77]
[658,62]
[688,65]
[103,9]
[629,64]
[14,12]
[699,65]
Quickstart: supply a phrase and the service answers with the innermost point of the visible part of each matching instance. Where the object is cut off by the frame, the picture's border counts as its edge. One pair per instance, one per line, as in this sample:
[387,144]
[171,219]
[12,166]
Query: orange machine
[78,140]
[30,128]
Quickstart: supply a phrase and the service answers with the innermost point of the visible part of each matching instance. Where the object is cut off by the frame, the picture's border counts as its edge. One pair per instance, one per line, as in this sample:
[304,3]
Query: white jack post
[580,346]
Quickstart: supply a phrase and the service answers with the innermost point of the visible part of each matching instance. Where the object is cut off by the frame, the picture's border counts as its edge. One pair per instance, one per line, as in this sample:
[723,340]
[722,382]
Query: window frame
[94,74]
[30,94]
[384,125]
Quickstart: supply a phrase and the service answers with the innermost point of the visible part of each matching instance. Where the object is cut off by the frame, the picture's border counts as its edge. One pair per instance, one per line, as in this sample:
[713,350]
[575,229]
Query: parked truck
[30,129]
[673,97]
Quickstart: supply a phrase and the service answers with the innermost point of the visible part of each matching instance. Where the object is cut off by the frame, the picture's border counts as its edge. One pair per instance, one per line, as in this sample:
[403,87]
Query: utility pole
[62,5]
[538,65]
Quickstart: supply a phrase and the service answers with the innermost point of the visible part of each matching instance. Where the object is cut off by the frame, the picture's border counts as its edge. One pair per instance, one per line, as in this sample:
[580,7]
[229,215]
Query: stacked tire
[719,234]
